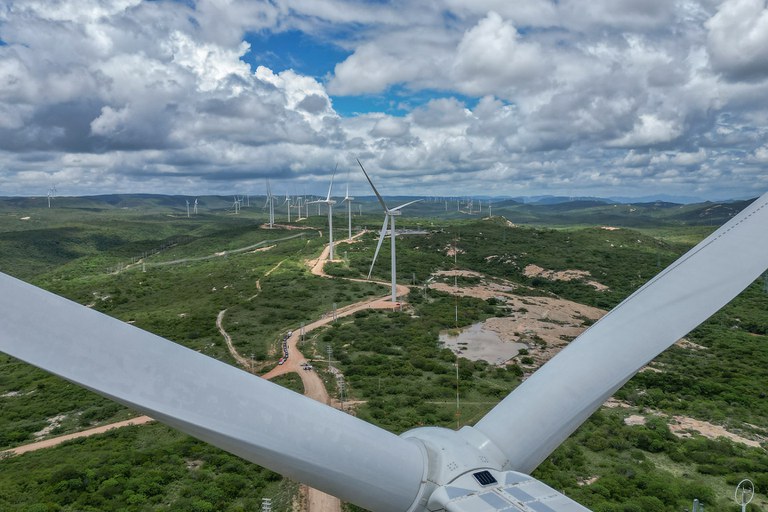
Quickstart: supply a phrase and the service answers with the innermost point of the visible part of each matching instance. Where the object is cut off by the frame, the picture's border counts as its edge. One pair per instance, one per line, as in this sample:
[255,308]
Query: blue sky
[452,97]
[316,57]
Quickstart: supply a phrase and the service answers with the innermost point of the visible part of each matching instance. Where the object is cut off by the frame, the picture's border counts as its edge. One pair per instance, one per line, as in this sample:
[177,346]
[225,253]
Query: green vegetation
[150,467]
[394,363]
[394,368]
[290,296]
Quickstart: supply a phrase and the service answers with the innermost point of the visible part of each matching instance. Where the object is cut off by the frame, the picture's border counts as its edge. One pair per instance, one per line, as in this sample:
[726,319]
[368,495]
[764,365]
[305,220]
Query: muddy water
[476,342]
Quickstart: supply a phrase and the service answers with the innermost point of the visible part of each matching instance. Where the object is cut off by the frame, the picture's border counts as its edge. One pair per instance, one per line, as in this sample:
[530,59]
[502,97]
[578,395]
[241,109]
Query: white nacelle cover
[512,492]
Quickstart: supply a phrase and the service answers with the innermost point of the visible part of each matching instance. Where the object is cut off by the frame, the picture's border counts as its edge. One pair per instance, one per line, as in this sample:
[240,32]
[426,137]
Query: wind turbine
[195,209]
[482,467]
[389,215]
[271,203]
[330,202]
[288,201]
[347,199]
[187,208]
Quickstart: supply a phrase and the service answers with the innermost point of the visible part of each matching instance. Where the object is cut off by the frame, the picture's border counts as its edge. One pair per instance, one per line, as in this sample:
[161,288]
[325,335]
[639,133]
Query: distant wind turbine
[389,215]
[330,202]
[288,201]
[347,199]
[271,203]
[195,210]
[187,208]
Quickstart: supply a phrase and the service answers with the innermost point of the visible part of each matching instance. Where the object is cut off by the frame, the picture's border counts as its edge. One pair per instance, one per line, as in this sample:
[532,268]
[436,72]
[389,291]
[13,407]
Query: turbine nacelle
[465,471]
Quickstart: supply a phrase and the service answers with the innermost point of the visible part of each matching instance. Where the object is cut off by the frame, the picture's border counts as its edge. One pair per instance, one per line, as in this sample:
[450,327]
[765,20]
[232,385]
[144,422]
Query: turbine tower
[270,202]
[195,210]
[330,202]
[347,199]
[389,215]
[288,201]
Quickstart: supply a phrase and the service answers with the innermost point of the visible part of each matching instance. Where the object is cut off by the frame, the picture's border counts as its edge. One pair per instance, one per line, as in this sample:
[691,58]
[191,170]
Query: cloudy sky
[446,97]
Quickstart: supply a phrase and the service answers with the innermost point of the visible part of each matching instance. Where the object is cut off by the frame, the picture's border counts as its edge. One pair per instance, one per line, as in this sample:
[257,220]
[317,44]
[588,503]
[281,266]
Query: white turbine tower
[348,199]
[271,203]
[389,216]
[187,208]
[288,201]
[330,202]
[481,467]
[195,210]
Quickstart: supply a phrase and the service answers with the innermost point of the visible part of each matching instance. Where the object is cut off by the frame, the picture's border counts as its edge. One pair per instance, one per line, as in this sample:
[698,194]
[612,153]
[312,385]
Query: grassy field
[142,260]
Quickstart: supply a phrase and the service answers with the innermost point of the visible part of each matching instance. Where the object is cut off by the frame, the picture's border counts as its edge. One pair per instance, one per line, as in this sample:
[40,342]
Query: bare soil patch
[544,324]
[563,275]
[683,426]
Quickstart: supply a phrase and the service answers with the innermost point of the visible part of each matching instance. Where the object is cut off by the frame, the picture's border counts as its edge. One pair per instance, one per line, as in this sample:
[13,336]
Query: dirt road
[85,433]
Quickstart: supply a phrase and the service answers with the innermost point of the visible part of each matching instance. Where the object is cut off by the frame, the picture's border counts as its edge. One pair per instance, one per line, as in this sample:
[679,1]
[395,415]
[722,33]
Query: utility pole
[340,378]
[458,411]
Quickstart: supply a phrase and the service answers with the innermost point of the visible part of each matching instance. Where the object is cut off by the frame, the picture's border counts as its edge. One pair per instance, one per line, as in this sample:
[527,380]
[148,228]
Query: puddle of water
[476,343]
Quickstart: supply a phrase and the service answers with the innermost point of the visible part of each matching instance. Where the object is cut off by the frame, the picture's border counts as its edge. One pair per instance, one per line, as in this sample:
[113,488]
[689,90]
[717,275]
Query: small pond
[478,343]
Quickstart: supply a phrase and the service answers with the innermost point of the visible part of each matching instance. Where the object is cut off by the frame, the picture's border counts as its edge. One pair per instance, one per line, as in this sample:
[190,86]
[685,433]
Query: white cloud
[398,58]
[688,159]
[738,38]
[612,94]
[649,130]
[491,58]
[390,127]
[761,155]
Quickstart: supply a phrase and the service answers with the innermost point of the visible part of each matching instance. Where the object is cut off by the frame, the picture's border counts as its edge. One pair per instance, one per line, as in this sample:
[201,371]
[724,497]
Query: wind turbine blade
[537,416]
[383,204]
[241,413]
[404,205]
[328,197]
[378,245]
[346,196]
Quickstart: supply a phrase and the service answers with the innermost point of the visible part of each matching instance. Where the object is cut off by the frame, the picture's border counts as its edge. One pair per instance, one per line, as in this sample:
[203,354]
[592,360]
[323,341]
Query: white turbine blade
[241,413]
[347,198]
[328,197]
[378,245]
[383,204]
[537,416]
[404,205]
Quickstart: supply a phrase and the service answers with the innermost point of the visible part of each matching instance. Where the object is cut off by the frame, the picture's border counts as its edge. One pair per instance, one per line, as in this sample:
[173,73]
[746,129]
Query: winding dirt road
[140,420]
[313,385]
